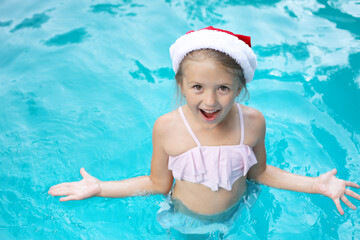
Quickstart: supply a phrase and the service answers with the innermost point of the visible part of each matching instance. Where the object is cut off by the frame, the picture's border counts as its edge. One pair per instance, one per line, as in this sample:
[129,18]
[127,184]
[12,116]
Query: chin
[209,124]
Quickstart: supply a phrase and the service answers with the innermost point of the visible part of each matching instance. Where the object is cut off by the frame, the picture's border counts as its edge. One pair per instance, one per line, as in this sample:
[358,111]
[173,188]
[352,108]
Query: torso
[195,196]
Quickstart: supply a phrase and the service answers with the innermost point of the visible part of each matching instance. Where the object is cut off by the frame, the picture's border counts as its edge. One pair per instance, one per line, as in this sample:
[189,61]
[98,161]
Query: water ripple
[341,19]
[34,22]
[6,23]
[74,36]
[116,9]
[105,7]
[142,73]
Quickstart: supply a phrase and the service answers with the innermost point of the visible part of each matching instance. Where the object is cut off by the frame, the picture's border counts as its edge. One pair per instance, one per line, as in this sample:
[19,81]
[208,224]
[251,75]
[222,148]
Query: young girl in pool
[211,145]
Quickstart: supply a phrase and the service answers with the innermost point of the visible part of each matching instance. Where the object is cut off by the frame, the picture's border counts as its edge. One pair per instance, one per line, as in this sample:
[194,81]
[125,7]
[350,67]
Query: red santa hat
[235,45]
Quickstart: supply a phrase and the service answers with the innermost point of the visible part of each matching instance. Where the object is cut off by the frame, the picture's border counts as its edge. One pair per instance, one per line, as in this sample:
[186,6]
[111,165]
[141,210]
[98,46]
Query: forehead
[206,70]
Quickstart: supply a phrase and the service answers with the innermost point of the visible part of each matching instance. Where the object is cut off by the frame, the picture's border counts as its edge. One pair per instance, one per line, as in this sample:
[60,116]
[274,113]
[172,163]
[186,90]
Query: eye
[224,89]
[197,87]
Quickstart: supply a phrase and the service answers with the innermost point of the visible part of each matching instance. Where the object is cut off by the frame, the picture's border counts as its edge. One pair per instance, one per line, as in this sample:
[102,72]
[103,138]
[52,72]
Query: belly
[203,200]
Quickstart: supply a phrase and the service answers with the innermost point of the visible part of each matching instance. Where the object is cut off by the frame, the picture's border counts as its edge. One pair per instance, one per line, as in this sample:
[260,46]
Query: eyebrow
[198,83]
[193,82]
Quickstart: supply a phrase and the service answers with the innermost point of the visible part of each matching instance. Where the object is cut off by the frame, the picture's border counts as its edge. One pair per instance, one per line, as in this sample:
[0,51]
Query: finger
[68,198]
[84,173]
[352,184]
[348,203]
[60,191]
[338,206]
[334,171]
[66,184]
[352,194]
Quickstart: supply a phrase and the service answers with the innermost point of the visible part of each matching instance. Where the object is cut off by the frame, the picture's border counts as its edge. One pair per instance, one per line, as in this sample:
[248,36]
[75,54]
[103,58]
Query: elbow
[161,186]
[164,189]
[257,173]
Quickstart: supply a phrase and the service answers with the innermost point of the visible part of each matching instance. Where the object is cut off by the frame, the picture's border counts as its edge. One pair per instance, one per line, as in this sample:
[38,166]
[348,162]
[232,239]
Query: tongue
[209,115]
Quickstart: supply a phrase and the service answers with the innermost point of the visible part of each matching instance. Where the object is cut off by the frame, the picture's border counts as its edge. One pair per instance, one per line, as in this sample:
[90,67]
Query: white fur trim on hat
[220,41]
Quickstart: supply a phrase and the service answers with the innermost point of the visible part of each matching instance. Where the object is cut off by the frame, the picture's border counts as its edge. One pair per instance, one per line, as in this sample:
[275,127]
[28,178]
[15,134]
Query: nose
[210,98]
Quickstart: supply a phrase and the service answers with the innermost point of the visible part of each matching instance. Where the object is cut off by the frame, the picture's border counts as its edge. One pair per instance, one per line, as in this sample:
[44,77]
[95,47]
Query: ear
[180,86]
[180,89]
[238,91]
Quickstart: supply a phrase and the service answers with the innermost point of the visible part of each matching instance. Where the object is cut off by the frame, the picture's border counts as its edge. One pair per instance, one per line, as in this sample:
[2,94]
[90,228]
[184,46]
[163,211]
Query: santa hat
[235,45]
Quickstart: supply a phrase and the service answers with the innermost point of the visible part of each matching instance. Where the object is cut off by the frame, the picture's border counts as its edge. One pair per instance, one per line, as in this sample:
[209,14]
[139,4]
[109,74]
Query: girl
[211,145]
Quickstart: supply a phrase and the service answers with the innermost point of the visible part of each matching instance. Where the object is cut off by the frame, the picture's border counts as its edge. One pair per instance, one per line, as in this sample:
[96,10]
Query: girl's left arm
[326,184]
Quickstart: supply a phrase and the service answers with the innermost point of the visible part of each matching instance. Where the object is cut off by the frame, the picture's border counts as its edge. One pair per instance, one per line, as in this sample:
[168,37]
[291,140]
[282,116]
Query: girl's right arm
[159,181]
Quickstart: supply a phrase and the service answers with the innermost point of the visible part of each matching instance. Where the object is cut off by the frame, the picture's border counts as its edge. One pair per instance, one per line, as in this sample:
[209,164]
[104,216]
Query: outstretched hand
[88,187]
[328,185]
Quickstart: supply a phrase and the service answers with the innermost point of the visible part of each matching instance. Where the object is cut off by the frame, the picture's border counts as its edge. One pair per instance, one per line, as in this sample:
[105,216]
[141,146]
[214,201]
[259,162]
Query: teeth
[207,111]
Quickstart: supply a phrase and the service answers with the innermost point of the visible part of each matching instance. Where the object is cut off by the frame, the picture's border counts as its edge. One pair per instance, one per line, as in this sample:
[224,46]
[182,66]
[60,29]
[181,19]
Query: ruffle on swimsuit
[213,166]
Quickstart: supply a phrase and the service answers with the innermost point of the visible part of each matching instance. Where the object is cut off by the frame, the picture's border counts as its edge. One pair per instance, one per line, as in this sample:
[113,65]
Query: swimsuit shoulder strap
[241,117]
[188,126]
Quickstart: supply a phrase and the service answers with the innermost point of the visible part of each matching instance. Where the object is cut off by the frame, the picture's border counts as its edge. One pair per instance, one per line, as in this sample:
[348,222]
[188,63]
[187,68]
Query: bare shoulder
[254,122]
[167,133]
[166,123]
[253,115]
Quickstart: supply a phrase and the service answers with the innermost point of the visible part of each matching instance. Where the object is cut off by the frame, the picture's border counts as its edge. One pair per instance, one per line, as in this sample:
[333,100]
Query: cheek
[229,100]
[191,99]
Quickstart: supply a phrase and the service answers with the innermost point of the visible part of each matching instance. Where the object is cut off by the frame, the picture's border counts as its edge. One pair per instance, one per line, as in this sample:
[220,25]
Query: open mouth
[209,115]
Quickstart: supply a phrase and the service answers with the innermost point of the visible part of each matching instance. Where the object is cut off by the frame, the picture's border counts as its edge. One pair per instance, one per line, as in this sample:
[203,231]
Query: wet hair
[224,61]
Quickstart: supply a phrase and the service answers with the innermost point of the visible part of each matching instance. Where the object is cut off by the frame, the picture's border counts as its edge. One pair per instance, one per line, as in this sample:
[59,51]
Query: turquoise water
[82,82]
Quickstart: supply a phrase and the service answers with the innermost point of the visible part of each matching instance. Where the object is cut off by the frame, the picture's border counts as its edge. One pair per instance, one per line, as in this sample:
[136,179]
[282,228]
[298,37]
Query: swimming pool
[82,82]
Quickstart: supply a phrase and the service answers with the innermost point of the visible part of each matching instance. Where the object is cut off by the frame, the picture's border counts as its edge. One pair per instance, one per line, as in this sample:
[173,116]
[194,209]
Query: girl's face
[210,91]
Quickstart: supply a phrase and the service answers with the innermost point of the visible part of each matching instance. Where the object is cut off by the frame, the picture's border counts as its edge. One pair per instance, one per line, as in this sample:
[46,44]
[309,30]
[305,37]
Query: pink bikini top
[213,166]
